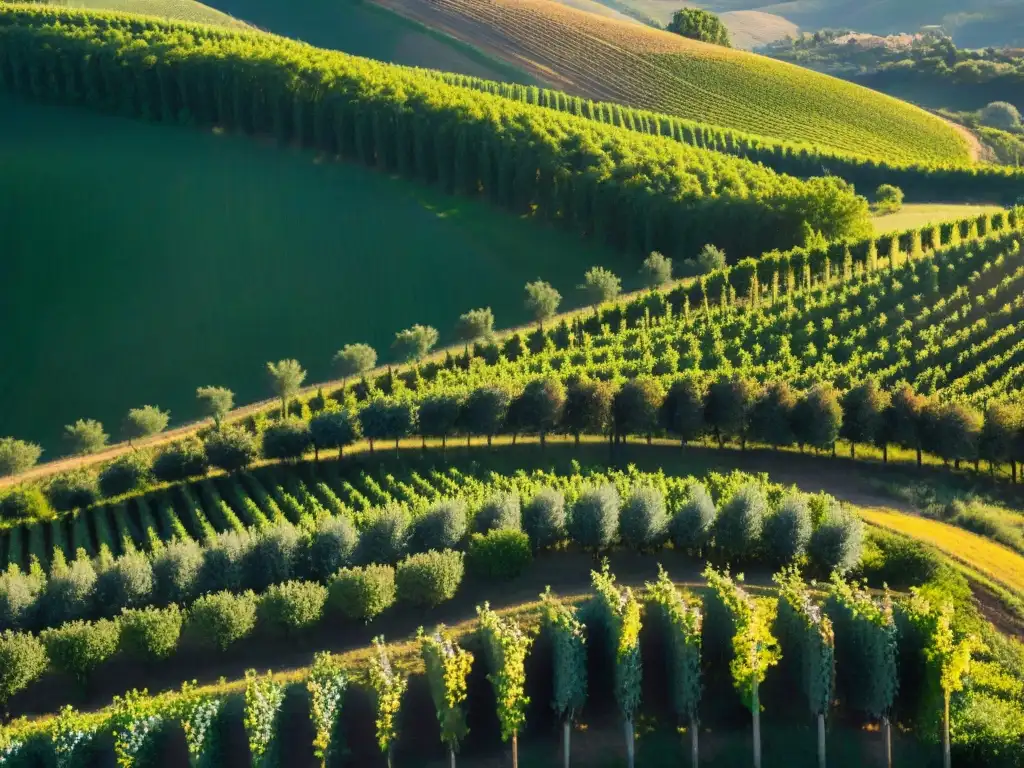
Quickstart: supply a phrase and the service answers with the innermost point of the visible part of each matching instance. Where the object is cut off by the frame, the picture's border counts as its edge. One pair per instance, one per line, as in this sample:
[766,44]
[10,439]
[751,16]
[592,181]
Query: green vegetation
[701,25]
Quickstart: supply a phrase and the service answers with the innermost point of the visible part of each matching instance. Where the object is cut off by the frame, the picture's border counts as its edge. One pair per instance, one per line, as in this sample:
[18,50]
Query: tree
[952,430]
[700,25]
[383,419]
[864,407]
[1003,425]
[1001,115]
[390,687]
[600,285]
[354,360]
[727,408]
[542,301]
[286,376]
[17,456]
[888,198]
[540,405]
[569,645]
[145,422]
[485,410]
[682,410]
[288,440]
[25,503]
[710,259]
[656,270]
[448,668]
[22,660]
[438,416]
[902,421]
[771,417]
[231,449]
[216,402]
[740,523]
[818,417]
[506,646]
[788,531]
[124,474]
[85,436]
[588,408]
[636,407]
[412,344]
[475,325]
[333,429]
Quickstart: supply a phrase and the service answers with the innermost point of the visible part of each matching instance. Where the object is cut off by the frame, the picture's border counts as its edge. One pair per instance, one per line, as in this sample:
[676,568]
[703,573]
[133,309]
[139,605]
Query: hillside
[175,10]
[636,65]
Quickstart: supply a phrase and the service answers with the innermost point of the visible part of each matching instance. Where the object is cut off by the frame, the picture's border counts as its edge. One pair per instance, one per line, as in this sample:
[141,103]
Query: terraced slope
[636,65]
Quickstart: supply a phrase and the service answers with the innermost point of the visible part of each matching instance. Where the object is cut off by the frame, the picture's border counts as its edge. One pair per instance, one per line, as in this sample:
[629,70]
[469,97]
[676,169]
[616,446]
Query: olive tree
[144,422]
[600,285]
[540,405]
[354,360]
[656,270]
[413,344]
[333,429]
[588,408]
[439,415]
[85,436]
[286,376]
[542,301]
[17,456]
[636,407]
[475,325]
[682,410]
[485,410]
[818,417]
[217,402]
[864,407]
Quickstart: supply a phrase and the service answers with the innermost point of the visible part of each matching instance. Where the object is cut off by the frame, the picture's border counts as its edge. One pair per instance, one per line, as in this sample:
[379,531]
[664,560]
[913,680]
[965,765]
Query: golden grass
[174,10]
[1002,565]
[917,216]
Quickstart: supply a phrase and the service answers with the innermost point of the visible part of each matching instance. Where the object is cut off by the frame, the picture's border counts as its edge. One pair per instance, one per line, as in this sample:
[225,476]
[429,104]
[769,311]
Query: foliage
[541,300]
[17,456]
[888,198]
[443,526]
[1001,115]
[620,613]
[72,736]
[430,578]
[326,685]
[544,518]
[22,660]
[506,645]
[72,490]
[700,25]
[263,699]
[78,647]
[124,474]
[198,716]
[24,503]
[475,325]
[230,449]
[448,668]
[600,285]
[333,429]
[286,376]
[69,593]
[355,360]
[569,637]
[132,726]
[289,439]
[636,406]
[691,527]
[501,554]
[595,518]
[292,606]
[656,270]
[806,635]
[331,547]
[787,532]
[740,522]
[151,633]
[385,537]
[217,402]
[588,407]
[643,519]
[180,461]
[221,619]
[85,436]
[146,421]
[838,541]
[414,343]
[681,622]
[389,687]
[127,582]
[500,511]
[362,593]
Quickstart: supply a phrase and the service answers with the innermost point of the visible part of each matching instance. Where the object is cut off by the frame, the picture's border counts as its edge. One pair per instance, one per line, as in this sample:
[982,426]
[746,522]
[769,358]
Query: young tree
[902,421]
[656,270]
[569,640]
[448,668]
[145,422]
[682,410]
[439,415]
[216,402]
[412,344]
[333,429]
[600,285]
[354,360]
[540,405]
[636,407]
[485,410]
[864,407]
[390,687]
[952,430]
[85,436]
[542,301]
[1003,424]
[888,199]
[727,408]
[700,25]
[818,417]
[326,686]
[710,259]
[287,440]
[588,408]
[475,325]
[17,456]
[506,646]
[1001,115]
[286,376]
[681,623]
[231,449]
[771,417]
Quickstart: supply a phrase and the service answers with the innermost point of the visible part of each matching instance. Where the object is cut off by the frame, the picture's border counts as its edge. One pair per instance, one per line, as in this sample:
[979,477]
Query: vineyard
[632,64]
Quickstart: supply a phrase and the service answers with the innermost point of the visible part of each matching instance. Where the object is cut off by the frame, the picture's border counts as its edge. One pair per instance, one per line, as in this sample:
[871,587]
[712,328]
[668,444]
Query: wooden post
[515,750]
[756,711]
[451,754]
[821,740]
[628,725]
[887,735]
[693,742]
[566,730]
[947,758]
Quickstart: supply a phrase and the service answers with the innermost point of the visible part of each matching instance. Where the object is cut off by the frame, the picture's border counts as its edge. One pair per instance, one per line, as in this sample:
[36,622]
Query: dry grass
[916,216]
[173,10]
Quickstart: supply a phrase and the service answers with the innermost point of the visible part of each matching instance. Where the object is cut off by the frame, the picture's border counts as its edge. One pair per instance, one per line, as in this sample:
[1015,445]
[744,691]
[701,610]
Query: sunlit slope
[640,66]
[175,10]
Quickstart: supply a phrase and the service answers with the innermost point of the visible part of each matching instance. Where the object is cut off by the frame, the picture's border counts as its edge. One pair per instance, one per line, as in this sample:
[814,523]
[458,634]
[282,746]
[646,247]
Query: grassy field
[259,253]
[914,216]
[634,64]
[175,10]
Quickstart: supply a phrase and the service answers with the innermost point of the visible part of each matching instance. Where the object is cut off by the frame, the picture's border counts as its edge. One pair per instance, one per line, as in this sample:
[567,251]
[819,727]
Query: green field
[138,292]
[176,10]
[916,216]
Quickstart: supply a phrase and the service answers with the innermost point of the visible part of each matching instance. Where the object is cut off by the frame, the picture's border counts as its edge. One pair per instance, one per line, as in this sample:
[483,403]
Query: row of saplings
[847,648]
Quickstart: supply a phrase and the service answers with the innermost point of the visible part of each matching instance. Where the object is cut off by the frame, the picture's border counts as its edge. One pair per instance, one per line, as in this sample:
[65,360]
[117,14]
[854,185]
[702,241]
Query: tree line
[622,189]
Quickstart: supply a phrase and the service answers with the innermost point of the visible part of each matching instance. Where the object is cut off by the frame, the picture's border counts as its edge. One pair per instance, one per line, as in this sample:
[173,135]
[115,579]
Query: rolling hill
[174,10]
[606,59]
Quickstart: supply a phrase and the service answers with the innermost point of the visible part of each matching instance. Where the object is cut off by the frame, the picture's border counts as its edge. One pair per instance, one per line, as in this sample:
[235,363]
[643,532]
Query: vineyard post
[887,735]
[756,708]
[821,740]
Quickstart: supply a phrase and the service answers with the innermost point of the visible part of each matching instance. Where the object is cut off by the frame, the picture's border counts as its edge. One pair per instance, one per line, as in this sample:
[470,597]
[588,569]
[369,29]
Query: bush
[125,583]
[595,518]
[442,527]
[69,593]
[362,593]
[176,568]
[272,557]
[691,526]
[739,524]
[385,538]
[22,660]
[78,647]
[501,511]
[26,503]
[73,490]
[898,561]
[230,449]
[151,633]
[643,519]
[888,199]
[544,518]
[17,456]
[18,594]
[288,440]
[430,578]
[499,554]
[223,562]
[1001,115]
[181,461]
[787,532]
[837,544]
[331,547]
[292,606]
[221,619]
[123,475]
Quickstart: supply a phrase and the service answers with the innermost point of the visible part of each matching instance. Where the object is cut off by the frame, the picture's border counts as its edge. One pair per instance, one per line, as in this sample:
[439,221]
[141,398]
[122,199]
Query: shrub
[221,619]
[69,592]
[124,474]
[499,554]
[442,527]
[176,568]
[1001,115]
[78,647]
[26,503]
[289,439]
[888,198]
[331,547]
[898,561]
[837,544]
[17,456]
[292,606]
[125,583]
[787,532]
[700,25]
[181,461]
[739,524]
[73,490]
[151,633]
[595,518]
[544,518]
[500,511]
[272,557]
[385,538]
[362,593]
[230,449]
[223,561]
[643,519]
[429,578]
[22,660]
[18,594]
[691,526]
